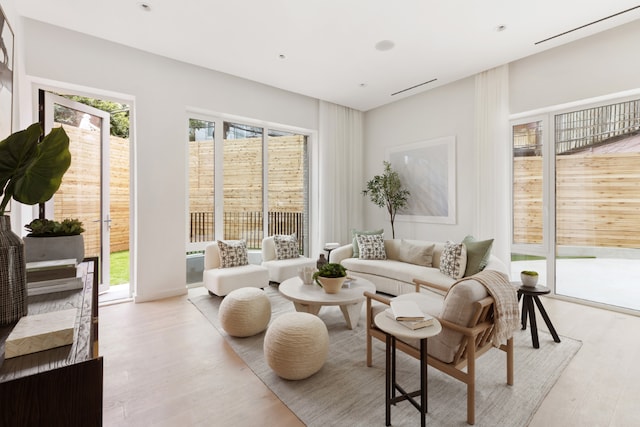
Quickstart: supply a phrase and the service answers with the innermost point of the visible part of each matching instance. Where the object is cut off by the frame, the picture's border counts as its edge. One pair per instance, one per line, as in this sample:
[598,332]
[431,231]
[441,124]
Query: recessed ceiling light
[282,56]
[501,28]
[384,45]
[145,6]
[363,85]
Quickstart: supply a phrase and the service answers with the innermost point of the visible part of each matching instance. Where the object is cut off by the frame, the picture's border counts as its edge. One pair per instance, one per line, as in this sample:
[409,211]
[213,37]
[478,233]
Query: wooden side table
[530,295]
[393,330]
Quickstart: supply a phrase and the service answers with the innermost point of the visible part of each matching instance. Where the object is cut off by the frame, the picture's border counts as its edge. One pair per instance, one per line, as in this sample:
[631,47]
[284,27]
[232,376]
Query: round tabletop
[393,327]
[352,292]
[533,290]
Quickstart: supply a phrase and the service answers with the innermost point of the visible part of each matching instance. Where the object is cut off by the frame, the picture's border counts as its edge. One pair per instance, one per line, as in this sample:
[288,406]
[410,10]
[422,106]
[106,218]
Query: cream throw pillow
[416,254]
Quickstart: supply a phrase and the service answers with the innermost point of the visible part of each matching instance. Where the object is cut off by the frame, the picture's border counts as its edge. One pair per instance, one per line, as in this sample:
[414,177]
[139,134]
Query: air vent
[413,87]
[586,25]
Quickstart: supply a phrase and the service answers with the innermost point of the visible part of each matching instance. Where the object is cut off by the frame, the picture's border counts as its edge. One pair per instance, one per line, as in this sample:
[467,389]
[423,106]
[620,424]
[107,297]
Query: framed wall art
[428,171]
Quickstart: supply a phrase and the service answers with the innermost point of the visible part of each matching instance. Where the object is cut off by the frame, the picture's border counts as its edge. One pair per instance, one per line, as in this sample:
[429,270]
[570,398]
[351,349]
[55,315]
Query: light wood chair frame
[476,340]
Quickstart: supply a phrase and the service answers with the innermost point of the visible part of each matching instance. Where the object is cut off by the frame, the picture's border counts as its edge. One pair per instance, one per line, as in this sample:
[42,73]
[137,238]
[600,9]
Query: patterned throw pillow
[355,233]
[233,253]
[286,247]
[453,260]
[371,246]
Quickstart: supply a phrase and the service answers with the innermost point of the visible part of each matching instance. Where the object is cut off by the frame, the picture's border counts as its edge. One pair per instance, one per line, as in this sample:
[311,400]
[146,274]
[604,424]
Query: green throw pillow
[354,233]
[478,252]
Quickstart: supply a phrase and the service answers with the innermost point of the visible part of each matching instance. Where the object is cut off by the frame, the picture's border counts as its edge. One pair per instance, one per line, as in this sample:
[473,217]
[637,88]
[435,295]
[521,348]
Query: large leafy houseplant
[387,191]
[31,171]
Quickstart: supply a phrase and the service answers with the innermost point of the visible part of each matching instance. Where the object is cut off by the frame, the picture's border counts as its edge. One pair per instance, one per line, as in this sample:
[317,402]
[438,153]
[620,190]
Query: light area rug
[345,392]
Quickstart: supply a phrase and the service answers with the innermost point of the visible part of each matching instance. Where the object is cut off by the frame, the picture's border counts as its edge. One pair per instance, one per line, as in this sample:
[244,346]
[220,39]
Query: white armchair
[281,269]
[221,281]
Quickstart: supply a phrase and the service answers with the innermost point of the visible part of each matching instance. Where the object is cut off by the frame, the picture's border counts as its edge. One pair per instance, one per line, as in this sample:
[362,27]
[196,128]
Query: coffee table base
[351,312]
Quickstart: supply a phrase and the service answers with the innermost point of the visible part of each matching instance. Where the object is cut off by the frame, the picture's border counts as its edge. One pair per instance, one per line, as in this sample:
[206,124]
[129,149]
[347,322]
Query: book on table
[427,320]
[406,310]
[51,269]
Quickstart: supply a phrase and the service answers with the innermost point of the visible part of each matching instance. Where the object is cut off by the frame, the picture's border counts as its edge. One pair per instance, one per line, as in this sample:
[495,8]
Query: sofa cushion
[286,246]
[398,270]
[478,253]
[416,254]
[233,253]
[354,233]
[371,246]
[453,260]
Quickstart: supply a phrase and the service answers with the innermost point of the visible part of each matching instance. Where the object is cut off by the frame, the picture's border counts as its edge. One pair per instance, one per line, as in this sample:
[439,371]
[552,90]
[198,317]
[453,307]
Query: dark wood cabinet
[61,386]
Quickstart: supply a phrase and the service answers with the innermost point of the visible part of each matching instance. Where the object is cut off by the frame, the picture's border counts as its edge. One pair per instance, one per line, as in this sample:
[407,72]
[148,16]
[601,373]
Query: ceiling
[326,49]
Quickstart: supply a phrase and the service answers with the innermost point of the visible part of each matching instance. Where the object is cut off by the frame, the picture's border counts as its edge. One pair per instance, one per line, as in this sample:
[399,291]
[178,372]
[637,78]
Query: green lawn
[119,272]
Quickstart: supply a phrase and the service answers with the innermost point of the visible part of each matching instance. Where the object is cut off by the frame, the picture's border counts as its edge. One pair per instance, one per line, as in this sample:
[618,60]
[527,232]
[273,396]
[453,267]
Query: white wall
[444,111]
[162,90]
[595,66]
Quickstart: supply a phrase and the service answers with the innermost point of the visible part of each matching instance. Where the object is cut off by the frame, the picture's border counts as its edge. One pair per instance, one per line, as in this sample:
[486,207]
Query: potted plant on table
[387,191]
[49,240]
[529,278]
[330,277]
[30,172]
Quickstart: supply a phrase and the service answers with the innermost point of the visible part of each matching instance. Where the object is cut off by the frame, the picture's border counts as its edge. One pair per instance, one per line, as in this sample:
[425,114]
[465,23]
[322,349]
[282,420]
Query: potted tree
[330,277]
[30,172]
[387,191]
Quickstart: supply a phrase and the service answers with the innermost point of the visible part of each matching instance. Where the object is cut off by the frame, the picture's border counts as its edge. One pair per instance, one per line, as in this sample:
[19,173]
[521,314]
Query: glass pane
[201,181]
[242,171]
[288,189]
[79,194]
[527,183]
[598,204]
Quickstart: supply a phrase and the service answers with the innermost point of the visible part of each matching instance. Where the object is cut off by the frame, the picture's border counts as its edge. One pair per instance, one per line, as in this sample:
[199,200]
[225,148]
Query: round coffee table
[310,298]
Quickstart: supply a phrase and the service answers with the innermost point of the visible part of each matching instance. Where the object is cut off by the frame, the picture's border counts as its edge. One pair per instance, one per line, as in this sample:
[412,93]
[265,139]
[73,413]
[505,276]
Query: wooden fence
[79,194]
[597,200]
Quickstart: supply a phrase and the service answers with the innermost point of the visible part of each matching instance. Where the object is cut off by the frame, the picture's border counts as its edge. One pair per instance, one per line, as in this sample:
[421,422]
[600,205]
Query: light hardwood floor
[165,365]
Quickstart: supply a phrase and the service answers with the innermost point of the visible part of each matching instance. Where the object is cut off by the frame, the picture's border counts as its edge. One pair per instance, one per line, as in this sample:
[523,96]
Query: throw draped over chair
[467,318]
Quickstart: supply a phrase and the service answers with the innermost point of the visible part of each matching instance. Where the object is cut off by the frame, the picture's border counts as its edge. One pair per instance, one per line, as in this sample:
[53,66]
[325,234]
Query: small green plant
[49,228]
[529,273]
[330,270]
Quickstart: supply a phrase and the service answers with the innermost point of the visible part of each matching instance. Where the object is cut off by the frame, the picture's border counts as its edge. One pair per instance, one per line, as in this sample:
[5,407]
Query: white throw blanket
[506,312]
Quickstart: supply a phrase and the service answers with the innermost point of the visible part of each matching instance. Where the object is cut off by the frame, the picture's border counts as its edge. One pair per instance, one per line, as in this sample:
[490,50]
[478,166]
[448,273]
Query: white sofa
[221,281]
[395,277]
[281,269]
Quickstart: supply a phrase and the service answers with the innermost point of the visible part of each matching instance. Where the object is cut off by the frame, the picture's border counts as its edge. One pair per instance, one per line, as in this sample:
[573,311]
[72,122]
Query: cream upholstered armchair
[282,269]
[220,281]
[468,328]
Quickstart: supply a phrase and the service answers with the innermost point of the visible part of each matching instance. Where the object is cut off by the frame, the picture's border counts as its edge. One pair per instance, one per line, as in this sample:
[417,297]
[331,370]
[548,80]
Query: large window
[256,185]
[586,200]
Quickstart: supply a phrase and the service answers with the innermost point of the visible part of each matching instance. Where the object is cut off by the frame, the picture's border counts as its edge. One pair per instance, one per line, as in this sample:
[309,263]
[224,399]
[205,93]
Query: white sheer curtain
[493,161]
[340,172]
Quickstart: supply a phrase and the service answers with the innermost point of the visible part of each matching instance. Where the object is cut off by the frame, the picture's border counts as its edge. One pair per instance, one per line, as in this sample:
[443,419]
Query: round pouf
[296,345]
[245,312]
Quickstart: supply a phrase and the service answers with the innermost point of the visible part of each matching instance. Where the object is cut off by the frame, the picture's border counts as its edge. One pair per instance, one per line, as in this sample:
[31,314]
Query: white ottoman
[296,345]
[245,312]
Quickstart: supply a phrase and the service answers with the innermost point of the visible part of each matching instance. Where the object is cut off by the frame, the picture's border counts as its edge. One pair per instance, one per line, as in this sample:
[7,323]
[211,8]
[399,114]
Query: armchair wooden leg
[369,320]
[510,361]
[471,385]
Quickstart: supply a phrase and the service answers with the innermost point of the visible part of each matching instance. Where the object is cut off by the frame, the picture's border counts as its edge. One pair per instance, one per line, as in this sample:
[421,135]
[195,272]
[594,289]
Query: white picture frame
[428,170]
